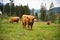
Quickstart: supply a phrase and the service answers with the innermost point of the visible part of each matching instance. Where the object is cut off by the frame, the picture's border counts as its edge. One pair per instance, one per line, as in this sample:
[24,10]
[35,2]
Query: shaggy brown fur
[27,20]
[14,19]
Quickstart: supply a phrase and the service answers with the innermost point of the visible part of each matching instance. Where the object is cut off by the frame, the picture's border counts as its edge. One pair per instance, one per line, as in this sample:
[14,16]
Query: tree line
[49,15]
[16,10]
[45,15]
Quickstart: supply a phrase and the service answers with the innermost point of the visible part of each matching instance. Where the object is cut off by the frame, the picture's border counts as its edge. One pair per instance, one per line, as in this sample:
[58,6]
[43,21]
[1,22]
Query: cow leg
[24,25]
[31,26]
[11,22]
[17,21]
[28,26]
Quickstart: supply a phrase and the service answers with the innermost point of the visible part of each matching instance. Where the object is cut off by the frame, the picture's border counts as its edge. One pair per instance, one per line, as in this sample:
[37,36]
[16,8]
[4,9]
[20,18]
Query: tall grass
[41,31]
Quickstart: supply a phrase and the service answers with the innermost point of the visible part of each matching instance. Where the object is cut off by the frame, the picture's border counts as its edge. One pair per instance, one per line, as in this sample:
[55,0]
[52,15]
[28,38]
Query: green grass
[41,31]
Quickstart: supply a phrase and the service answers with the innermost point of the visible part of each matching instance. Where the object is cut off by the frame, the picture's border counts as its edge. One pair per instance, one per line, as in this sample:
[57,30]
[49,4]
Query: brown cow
[48,23]
[27,20]
[14,19]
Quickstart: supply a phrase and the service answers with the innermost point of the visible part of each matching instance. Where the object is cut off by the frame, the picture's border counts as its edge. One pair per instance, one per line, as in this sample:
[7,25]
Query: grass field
[41,31]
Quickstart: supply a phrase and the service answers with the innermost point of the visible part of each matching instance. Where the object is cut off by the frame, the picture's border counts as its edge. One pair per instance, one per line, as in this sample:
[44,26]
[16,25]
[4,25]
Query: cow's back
[24,19]
[14,19]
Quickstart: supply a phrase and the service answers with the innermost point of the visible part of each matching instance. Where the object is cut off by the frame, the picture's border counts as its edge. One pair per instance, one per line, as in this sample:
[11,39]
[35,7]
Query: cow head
[31,19]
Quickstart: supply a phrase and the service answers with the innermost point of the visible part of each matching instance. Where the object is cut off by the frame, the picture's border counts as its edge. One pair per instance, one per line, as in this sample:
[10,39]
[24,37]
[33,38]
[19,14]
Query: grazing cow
[48,23]
[14,19]
[28,20]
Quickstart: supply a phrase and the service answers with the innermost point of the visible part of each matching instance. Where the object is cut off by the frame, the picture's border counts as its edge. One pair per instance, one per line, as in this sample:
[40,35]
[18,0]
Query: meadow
[41,31]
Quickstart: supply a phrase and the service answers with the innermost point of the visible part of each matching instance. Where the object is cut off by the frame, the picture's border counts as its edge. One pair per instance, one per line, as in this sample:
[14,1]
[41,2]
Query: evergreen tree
[26,10]
[36,15]
[1,6]
[51,13]
[11,8]
[43,12]
[20,10]
[7,9]
[33,11]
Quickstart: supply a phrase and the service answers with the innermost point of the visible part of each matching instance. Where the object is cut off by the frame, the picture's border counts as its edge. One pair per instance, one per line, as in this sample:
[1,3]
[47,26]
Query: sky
[34,3]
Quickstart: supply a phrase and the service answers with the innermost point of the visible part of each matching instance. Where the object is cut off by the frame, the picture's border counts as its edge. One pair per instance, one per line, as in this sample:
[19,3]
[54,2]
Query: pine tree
[26,10]
[11,7]
[51,13]
[36,15]
[7,9]
[43,12]
[33,11]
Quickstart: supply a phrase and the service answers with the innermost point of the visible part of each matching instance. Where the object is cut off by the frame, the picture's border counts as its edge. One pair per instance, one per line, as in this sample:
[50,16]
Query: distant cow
[28,20]
[14,19]
[48,23]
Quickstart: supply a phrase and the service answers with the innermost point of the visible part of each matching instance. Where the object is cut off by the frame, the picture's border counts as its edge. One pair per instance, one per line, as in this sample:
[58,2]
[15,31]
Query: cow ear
[28,18]
[34,17]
